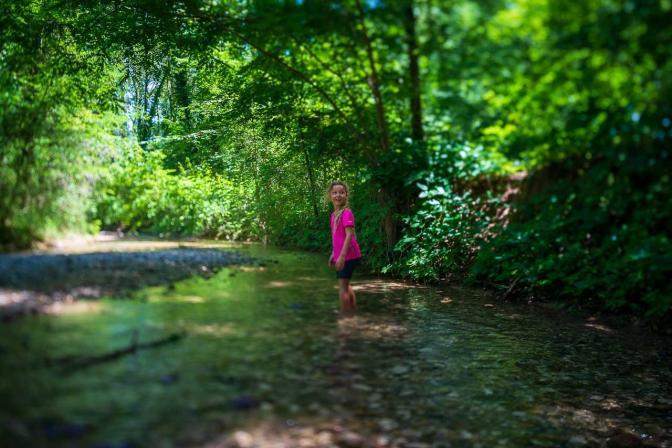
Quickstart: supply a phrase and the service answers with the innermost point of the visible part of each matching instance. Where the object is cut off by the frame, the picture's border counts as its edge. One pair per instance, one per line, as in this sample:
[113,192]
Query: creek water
[260,356]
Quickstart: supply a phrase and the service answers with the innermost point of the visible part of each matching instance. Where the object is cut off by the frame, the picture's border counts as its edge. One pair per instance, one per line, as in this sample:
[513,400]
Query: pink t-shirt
[338,236]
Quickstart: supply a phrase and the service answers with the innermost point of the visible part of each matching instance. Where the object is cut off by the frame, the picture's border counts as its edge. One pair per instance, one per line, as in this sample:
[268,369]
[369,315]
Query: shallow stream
[260,356]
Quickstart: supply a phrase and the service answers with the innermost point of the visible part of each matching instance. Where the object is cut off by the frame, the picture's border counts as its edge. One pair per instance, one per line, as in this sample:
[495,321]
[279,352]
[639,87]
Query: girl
[345,255]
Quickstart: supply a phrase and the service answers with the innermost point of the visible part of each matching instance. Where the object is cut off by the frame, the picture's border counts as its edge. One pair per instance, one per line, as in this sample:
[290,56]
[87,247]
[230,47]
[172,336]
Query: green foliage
[369,214]
[54,124]
[593,225]
[139,194]
[47,181]
[301,232]
[601,239]
[441,237]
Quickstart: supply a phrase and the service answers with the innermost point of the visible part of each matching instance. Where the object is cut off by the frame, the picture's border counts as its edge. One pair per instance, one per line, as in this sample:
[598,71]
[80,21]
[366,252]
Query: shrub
[441,236]
[139,194]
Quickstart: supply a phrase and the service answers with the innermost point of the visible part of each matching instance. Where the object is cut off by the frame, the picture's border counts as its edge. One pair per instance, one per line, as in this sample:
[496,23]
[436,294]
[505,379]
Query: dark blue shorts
[348,268]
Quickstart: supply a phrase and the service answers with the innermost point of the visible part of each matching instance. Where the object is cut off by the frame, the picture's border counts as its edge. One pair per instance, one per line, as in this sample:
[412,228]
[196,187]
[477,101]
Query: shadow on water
[265,360]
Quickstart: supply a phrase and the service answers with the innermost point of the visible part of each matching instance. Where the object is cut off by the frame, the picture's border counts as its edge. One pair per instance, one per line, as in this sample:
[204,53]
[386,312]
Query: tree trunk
[386,198]
[143,129]
[374,83]
[306,78]
[181,92]
[257,193]
[309,169]
[154,106]
[414,72]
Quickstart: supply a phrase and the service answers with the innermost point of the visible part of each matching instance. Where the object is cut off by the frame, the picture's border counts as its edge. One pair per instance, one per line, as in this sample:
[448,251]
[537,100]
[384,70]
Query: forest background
[522,144]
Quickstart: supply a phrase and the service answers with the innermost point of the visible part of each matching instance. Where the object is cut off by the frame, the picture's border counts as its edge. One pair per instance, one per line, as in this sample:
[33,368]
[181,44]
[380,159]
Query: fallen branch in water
[81,362]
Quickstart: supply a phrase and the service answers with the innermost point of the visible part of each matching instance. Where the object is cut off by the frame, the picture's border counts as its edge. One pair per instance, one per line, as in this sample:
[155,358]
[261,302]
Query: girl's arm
[349,232]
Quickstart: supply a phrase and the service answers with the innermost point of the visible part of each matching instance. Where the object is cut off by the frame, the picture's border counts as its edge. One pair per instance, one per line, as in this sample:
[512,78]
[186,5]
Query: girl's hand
[340,263]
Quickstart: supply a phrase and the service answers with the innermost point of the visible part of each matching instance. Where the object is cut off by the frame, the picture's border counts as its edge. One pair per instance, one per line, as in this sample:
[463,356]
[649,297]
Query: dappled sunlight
[305,278]
[301,432]
[102,244]
[380,286]
[190,299]
[168,297]
[279,284]
[370,327]
[9,297]
[599,417]
[564,414]
[17,302]
[600,327]
[75,307]
[211,329]
[251,268]
[594,323]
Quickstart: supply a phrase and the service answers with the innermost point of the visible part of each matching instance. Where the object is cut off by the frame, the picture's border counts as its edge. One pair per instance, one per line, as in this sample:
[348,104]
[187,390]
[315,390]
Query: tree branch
[80,362]
[305,78]
[374,82]
[346,89]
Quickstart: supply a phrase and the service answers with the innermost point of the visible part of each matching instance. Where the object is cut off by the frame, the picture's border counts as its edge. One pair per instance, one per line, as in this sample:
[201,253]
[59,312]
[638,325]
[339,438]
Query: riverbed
[250,349]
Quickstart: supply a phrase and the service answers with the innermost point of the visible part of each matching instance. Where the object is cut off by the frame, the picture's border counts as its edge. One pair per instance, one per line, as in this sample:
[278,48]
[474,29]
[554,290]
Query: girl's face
[338,195]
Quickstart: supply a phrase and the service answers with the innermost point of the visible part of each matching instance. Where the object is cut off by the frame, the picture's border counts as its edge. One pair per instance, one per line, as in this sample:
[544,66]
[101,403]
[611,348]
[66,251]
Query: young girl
[345,255]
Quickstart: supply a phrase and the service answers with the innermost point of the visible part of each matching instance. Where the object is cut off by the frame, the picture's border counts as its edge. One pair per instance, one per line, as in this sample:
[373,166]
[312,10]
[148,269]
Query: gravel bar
[29,282]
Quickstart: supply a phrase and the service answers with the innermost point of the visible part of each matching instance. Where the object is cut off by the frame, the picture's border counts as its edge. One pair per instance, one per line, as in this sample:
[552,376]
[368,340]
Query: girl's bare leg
[353,298]
[344,295]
